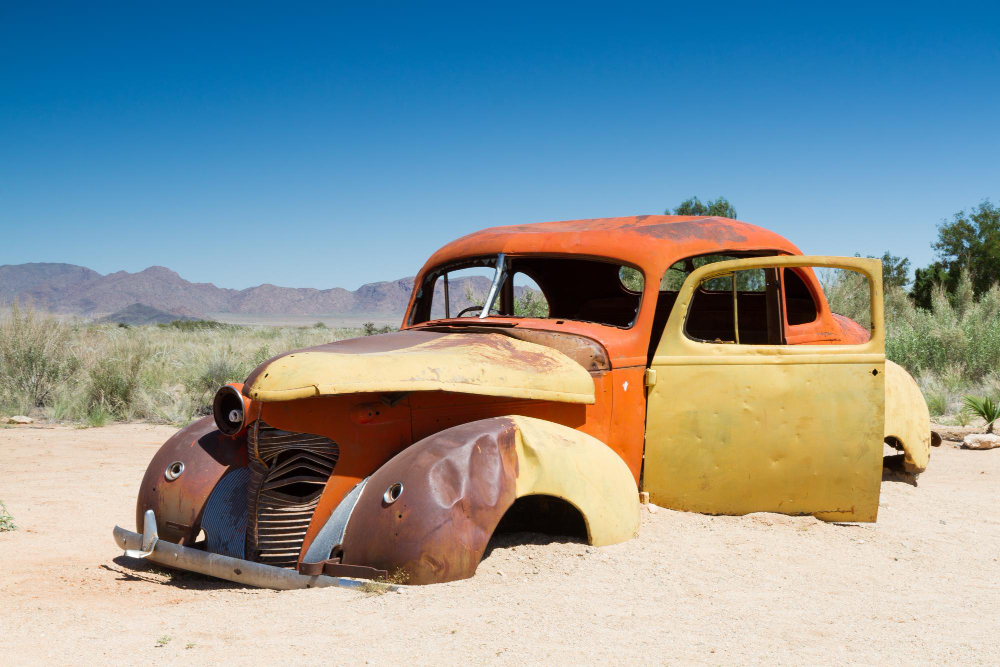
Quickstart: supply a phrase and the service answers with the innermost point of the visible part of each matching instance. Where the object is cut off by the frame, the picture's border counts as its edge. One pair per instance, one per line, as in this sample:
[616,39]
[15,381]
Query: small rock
[20,419]
[651,509]
[971,441]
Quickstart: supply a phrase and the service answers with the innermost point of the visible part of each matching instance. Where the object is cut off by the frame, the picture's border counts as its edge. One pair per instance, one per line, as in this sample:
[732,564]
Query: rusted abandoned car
[693,358]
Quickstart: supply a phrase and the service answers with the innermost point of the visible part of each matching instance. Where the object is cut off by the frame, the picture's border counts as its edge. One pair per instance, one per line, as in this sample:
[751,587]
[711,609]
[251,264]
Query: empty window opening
[674,277]
[799,302]
[528,286]
[741,307]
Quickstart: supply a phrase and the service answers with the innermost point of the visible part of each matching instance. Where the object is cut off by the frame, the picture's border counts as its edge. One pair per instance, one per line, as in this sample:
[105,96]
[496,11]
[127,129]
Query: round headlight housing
[229,408]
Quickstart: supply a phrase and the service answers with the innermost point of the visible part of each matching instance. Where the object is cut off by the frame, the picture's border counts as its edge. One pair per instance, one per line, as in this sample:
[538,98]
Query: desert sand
[922,585]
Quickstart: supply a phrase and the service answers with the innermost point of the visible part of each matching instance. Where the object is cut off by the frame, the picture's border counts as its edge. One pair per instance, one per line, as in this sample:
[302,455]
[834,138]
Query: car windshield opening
[528,286]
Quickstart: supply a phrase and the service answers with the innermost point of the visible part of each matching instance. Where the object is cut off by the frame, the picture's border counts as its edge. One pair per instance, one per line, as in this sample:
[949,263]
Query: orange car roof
[650,242]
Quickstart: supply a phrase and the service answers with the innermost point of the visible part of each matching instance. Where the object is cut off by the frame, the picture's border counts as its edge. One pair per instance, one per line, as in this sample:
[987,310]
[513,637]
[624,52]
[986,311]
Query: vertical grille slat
[287,474]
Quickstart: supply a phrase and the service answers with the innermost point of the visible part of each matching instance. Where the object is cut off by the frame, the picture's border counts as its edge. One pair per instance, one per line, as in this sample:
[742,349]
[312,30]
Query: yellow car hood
[469,363]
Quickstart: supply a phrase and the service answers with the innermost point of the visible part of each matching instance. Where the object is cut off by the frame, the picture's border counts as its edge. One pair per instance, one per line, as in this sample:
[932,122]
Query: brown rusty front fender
[432,509]
[177,493]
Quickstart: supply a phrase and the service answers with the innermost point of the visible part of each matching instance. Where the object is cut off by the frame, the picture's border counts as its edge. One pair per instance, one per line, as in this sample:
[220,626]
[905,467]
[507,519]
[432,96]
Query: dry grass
[383,585]
[93,374]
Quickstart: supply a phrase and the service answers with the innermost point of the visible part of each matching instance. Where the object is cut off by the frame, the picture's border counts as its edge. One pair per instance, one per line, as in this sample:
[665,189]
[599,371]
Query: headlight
[230,409]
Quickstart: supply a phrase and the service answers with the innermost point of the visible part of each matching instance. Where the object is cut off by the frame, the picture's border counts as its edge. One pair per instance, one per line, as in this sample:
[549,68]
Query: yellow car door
[736,427]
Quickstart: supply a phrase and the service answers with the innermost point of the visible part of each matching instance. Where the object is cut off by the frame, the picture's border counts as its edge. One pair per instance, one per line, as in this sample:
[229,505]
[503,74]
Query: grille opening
[288,472]
[298,491]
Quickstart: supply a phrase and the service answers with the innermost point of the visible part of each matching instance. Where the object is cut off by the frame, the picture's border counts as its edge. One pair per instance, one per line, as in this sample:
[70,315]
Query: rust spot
[715,230]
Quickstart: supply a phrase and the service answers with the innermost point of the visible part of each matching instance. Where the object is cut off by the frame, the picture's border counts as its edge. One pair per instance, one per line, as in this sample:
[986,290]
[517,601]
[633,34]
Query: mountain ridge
[76,290]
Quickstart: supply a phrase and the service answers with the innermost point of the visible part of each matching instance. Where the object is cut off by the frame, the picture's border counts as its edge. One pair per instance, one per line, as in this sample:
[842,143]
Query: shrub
[531,303]
[6,520]
[222,369]
[986,408]
[958,337]
[369,329]
[35,356]
[115,380]
[197,325]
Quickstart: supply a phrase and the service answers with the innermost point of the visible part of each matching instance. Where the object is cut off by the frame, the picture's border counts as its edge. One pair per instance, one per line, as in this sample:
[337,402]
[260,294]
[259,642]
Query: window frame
[427,282]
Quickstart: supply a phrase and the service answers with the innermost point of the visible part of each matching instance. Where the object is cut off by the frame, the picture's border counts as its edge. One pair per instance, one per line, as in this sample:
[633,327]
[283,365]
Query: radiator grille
[287,474]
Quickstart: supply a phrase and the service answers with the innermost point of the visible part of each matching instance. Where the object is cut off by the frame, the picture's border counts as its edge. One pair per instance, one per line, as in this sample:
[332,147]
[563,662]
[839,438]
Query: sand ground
[920,586]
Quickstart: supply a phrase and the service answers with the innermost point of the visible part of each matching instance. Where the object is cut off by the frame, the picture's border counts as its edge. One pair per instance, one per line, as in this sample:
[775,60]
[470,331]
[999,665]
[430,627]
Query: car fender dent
[906,417]
[458,483]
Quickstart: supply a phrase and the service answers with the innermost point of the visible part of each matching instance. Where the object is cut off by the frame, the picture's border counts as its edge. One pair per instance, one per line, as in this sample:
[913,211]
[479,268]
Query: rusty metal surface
[335,568]
[457,484]
[288,471]
[207,455]
[229,397]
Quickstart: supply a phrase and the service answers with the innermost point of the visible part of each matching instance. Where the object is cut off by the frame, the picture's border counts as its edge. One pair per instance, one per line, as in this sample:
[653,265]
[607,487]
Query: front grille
[287,474]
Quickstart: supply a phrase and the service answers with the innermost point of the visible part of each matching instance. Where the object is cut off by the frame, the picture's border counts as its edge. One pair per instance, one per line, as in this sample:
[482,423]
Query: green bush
[957,337]
[984,407]
[197,325]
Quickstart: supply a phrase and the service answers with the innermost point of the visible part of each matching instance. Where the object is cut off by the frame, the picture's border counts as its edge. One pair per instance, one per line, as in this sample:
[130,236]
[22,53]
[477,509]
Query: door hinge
[650,377]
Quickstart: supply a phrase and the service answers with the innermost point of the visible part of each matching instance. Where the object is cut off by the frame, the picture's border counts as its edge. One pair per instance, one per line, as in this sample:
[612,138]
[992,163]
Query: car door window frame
[675,341]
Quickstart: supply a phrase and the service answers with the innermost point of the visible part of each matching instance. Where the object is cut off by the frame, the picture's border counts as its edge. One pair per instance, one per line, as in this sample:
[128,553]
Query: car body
[404,452]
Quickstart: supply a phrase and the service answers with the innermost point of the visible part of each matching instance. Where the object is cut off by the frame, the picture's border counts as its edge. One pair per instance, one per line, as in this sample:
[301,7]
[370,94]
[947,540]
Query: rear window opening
[529,286]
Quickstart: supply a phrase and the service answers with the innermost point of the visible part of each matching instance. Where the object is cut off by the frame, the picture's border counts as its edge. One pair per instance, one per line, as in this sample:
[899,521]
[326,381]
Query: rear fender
[457,484]
[907,418]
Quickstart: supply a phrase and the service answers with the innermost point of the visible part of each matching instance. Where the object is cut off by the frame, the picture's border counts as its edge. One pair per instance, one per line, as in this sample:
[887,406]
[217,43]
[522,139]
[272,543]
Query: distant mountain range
[76,290]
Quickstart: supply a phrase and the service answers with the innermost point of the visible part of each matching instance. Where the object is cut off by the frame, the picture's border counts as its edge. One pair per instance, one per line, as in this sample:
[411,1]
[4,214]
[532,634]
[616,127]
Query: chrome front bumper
[149,546]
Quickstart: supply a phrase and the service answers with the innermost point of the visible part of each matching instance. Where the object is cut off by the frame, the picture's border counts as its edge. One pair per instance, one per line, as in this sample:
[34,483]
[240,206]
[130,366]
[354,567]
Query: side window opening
[849,297]
[799,303]
[672,280]
[528,300]
[741,307]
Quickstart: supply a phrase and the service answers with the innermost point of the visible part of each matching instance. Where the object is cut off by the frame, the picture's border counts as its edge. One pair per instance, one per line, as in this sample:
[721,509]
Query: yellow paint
[513,368]
[907,418]
[555,460]
[733,429]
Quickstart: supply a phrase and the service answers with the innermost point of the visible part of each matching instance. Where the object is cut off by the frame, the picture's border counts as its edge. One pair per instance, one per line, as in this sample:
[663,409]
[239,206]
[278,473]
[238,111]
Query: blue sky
[331,146]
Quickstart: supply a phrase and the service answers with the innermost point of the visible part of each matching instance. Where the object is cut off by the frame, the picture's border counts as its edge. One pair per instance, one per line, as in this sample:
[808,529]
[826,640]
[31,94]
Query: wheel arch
[907,419]
[459,483]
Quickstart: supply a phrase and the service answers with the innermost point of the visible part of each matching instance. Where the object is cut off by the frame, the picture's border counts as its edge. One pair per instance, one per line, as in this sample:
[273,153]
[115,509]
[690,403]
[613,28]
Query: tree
[970,241]
[924,282]
[895,271]
[719,207]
